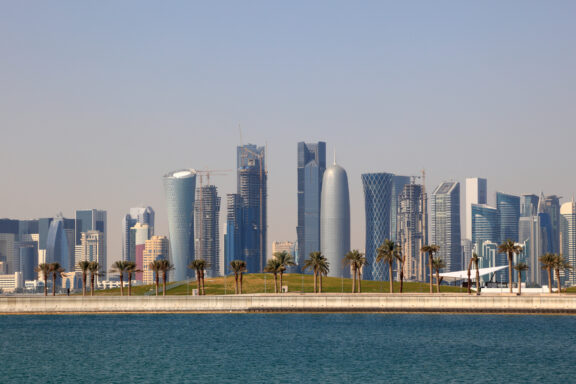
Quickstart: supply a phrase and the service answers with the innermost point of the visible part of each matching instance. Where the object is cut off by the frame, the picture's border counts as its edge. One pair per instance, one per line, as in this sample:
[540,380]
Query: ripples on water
[287,348]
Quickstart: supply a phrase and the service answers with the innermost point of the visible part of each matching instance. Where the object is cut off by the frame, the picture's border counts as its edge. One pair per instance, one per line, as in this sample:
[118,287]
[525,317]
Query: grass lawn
[264,283]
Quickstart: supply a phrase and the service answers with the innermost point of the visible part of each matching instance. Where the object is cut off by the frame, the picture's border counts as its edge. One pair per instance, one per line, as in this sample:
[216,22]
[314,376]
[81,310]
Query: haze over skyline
[100,100]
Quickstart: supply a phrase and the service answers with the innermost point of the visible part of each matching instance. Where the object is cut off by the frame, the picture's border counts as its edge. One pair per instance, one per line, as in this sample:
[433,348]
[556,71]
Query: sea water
[287,348]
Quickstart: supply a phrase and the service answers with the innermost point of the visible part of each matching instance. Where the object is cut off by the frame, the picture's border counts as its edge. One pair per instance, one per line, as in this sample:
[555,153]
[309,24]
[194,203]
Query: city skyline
[433,80]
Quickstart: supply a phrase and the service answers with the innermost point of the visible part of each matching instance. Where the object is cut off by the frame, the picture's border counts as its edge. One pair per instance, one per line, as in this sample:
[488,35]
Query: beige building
[283,246]
[92,248]
[155,248]
[7,255]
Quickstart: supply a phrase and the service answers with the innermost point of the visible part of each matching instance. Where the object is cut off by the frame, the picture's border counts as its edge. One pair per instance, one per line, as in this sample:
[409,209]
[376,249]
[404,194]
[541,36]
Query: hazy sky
[99,99]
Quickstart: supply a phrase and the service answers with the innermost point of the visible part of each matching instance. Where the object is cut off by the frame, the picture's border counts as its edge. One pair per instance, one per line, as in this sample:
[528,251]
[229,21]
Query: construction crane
[200,201]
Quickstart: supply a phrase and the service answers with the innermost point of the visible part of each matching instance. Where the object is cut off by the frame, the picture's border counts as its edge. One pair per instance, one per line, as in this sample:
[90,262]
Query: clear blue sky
[98,99]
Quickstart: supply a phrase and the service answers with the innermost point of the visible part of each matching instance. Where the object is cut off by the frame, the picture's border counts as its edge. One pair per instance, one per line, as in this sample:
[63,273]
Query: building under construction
[412,232]
[246,216]
[207,218]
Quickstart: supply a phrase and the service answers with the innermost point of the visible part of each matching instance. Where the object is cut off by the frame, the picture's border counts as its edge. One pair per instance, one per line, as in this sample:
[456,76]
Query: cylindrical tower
[180,187]
[335,219]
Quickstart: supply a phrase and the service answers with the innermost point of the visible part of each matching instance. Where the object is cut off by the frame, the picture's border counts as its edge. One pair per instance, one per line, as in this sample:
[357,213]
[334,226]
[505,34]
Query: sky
[100,99]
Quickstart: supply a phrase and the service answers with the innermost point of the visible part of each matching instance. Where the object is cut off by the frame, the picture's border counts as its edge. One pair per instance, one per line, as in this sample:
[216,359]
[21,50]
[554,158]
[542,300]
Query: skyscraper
[142,215]
[92,248]
[476,193]
[139,234]
[156,248]
[412,230]
[233,236]
[484,224]
[207,219]
[92,220]
[57,247]
[335,219]
[445,223]
[551,205]
[311,167]
[508,216]
[528,205]
[180,187]
[568,235]
[252,189]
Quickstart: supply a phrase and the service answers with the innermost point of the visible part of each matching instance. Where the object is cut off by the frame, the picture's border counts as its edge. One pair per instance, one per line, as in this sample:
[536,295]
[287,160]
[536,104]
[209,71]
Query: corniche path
[287,303]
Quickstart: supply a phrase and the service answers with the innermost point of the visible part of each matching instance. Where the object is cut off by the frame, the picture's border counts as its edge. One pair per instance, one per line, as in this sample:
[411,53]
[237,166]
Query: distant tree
[389,252]
[131,269]
[560,264]
[275,267]
[44,269]
[319,265]
[94,269]
[155,268]
[285,259]
[431,250]
[238,267]
[548,261]
[165,267]
[84,264]
[120,267]
[520,267]
[199,265]
[357,260]
[438,264]
[56,270]
[510,248]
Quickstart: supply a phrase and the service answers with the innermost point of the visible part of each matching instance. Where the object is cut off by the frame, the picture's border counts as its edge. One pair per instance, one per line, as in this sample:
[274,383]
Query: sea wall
[565,304]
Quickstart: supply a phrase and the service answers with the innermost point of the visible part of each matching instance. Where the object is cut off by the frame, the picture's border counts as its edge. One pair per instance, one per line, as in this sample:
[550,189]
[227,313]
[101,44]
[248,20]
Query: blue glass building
[57,247]
[508,216]
[311,167]
[180,187]
[142,215]
[233,236]
[528,205]
[445,224]
[484,224]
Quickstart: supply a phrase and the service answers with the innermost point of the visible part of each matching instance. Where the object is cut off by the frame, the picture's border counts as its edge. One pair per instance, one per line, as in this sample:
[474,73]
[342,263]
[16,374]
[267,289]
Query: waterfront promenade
[256,303]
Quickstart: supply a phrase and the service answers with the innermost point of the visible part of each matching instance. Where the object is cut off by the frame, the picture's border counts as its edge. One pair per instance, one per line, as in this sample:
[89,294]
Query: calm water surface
[287,348]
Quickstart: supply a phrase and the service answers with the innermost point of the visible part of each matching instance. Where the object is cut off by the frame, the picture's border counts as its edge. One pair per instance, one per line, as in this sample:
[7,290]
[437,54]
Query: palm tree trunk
[236,282]
[315,281]
[163,283]
[129,283]
[437,281]
[157,281]
[402,276]
[510,261]
[281,280]
[558,280]
[469,278]
[430,268]
[83,284]
[320,282]
[549,279]
[203,288]
[91,284]
[275,282]
[45,284]
[198,287]
[519,282]
[359,280]
[241,281]
[391,277]
[354,280]
[477,280]
[53,283]
[121,284]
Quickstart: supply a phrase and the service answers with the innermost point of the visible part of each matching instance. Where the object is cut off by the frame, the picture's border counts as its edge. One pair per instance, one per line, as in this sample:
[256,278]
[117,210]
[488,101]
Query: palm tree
[238,267]
[199,265]
[438,264]
[387,253]
[319,266]
[94,268]
[360,261]
[469,278]
[84,264]
[44,269]
[520,267]
[165,267]
[131,268]
[119,267]
[155,268]
[548,260]
[475,259]
[401,258]
[274,266]
[431,250]
[560,264]
[285,259]
[356,260]
[510,248]
[56,270]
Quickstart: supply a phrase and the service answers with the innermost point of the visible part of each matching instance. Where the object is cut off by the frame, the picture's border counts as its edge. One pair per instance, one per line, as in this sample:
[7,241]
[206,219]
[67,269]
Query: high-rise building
[284,246]
[445,223]
[530,234]
[27,252]
[335,219]
[476,193]
[7,254]
[311,167]
[508,216]
[484,224]
[252,188]
[57,246]
[92,220]
[139,234]
[233,235]
[412,230]
[528,205]
[180,187]
[142,215]
[381,191]
[207,220]
[551,206]
[92,248]
[155,248]
[568,236]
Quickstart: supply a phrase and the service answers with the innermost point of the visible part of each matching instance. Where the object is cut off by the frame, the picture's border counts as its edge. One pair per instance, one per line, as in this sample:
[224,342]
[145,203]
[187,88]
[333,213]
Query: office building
[412,230]
[335,219]
[445,224]
[233,235]
[528,205]
[568,236]
[92,248]
[142,215]
[89,220]
[311,167]
[508,216]
[476,193]
[57,245]
[155,248]
[551,206]
[180,187]
[139,234]
[207,220]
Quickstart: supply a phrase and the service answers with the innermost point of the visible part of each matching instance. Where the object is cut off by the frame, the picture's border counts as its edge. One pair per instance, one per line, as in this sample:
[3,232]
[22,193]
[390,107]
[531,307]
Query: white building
[476,193]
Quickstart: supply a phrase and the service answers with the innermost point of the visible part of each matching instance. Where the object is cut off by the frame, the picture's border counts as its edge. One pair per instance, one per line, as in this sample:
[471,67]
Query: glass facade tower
[568,235]
[445,224]
[508,216]
[207,220]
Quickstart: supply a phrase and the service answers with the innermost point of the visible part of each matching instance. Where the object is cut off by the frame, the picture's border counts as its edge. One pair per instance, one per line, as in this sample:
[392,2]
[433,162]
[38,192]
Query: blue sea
[287,348]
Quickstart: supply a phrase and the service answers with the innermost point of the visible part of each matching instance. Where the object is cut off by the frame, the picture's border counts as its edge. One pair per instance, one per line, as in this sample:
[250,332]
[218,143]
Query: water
[287,348]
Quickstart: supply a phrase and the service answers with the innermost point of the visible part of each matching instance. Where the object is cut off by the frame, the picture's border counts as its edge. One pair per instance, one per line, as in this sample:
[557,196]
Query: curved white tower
[335,219]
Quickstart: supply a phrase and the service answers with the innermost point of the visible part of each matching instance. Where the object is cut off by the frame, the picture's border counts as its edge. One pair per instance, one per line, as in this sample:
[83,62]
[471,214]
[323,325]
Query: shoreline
[293,303]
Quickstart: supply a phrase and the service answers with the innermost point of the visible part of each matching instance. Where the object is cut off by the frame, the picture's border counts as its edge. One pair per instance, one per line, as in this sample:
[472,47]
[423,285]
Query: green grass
[264,283]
